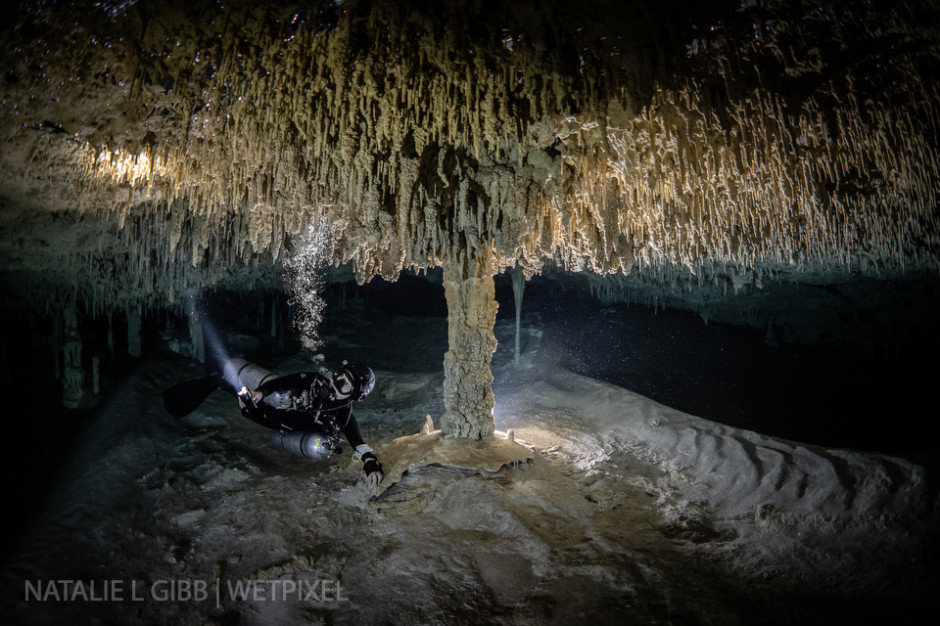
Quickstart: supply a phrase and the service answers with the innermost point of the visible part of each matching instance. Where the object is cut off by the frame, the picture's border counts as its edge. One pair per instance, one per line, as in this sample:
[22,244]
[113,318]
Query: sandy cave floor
[629,512]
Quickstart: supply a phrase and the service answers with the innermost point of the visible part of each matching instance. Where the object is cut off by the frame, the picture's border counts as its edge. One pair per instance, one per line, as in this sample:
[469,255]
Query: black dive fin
[183,398]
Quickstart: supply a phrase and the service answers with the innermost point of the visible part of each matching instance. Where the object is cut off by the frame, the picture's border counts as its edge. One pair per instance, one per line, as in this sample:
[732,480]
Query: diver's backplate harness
[306,410]
[318,439]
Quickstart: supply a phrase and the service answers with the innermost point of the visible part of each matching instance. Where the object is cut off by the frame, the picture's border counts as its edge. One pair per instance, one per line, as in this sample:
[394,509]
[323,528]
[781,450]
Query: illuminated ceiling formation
[160,146]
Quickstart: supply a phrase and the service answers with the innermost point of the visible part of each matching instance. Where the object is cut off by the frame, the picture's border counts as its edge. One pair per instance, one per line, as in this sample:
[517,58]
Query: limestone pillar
[72,375]
[468,380]
[196,338]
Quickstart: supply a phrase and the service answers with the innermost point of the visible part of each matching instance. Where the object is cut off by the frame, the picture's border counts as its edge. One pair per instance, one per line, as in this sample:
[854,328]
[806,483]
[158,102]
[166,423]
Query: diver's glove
[249,403]
[372,469]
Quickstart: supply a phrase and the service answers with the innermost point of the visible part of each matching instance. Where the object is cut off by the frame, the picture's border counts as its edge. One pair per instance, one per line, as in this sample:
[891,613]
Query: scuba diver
[306,411]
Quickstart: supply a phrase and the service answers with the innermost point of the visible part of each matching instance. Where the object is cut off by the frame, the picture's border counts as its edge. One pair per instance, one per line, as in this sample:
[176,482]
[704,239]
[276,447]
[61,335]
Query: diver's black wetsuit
[302,402]
[302,410]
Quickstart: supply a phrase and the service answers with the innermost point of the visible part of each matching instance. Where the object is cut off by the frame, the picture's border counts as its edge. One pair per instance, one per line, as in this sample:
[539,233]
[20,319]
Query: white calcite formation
[189,142]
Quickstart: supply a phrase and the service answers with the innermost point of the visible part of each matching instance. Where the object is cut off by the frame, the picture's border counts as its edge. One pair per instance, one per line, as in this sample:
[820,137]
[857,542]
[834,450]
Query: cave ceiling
[155,147]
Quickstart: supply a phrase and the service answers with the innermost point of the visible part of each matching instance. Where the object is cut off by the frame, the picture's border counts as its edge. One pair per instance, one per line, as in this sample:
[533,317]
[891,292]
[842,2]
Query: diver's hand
[372,469]
[246,397]
[374,479]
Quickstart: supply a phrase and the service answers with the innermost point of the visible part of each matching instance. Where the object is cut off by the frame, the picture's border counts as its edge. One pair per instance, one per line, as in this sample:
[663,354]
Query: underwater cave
[650,295]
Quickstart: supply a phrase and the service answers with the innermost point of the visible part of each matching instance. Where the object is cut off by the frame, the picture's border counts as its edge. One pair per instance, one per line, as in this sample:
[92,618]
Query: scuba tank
[311,444]
[240,373]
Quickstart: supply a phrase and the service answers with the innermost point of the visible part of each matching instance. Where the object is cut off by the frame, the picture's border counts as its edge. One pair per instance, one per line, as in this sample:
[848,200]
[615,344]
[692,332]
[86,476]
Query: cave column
[72,361]
[196,335]
[471,314]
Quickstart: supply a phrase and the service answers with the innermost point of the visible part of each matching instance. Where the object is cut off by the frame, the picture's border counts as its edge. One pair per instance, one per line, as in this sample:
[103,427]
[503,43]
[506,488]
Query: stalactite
[685,179]
[518,286]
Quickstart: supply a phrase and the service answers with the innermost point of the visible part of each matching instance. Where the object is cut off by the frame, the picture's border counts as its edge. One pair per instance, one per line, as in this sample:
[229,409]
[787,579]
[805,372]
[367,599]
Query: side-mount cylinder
[312,444]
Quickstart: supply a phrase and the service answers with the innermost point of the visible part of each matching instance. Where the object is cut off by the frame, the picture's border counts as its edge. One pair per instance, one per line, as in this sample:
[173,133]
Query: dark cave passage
[845,395]
[841,396]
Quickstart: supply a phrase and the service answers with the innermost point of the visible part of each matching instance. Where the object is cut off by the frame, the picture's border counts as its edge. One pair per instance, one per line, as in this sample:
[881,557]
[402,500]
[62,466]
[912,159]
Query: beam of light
[216,354]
